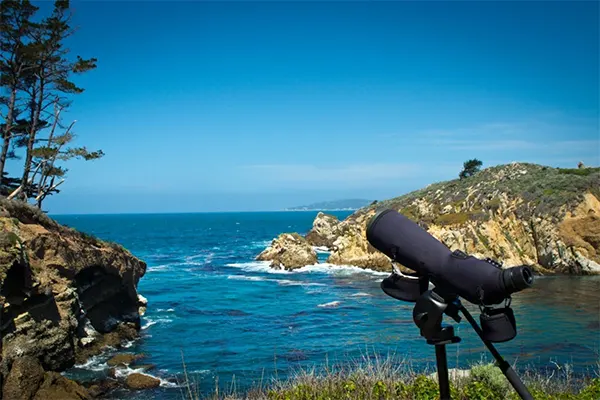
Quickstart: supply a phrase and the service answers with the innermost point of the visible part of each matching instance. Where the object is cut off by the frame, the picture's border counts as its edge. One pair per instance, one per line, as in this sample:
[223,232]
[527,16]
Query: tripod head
[498,324]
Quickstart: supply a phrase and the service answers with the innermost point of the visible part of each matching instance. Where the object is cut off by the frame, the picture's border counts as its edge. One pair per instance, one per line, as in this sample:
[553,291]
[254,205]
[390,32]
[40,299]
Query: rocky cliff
[518,214]
[63,296]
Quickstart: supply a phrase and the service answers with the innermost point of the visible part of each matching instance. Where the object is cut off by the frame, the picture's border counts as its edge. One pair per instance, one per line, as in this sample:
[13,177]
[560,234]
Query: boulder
[325,230]
[123,359]
[289,251]
[24,379]
[138,381]
[57,387]
[352,248]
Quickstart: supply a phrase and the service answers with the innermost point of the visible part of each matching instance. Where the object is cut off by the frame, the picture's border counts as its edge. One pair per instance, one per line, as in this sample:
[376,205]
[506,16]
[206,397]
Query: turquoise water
[232,317]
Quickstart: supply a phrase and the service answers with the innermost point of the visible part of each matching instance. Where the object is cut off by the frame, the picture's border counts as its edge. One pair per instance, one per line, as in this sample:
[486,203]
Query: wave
[94,363]
[165,310]
[331,304]
[126,371]
[324,268]
[332,269]
[154,322]
[360,294]
[283,282]
[161,268]
[321,249]
[258,266]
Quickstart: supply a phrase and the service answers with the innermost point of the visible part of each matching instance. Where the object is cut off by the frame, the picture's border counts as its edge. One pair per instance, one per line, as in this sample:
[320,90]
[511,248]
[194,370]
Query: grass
[539,191]
[373,378]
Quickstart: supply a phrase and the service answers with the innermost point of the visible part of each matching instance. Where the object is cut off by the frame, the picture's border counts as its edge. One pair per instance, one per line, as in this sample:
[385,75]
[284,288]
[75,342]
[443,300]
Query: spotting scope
[482,282]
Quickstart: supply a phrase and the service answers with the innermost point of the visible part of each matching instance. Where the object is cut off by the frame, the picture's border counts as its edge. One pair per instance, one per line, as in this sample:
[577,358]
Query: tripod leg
[510,373]
[442,370]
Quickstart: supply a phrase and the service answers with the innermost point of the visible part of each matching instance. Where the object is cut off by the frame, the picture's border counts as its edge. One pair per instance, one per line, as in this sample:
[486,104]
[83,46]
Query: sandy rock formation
[325,230]
[63,296]
[289,251]
[517,214]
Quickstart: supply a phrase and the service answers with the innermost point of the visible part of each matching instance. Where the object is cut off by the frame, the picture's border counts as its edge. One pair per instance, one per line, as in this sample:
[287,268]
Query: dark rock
[57,387]
[24,379]
[102,388]
[137,381]
[124,359]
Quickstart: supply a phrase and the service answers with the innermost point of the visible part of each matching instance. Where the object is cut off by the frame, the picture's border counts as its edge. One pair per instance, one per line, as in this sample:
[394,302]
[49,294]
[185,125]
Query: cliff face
[63,294]
[518,214]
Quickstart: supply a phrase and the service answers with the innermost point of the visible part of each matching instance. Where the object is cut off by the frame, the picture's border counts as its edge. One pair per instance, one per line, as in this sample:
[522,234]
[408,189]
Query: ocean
[233,320]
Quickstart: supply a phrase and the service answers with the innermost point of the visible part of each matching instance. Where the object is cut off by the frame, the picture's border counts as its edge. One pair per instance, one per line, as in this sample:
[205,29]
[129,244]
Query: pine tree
[470,168]
[15,27]
[47,88]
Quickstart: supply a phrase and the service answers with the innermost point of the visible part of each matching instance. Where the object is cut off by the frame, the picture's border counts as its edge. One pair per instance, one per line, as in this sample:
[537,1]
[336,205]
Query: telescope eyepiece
[517,278]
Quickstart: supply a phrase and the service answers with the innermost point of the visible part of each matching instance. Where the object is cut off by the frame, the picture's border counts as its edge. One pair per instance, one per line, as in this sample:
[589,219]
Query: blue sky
[211,106]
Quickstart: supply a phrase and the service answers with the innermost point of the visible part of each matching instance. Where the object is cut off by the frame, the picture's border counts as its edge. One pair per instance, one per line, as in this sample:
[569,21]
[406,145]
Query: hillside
[347,204]
[517,213]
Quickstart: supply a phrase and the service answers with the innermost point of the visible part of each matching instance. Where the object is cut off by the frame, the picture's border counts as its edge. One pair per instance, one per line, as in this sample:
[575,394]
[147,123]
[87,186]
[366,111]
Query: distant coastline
[335,205]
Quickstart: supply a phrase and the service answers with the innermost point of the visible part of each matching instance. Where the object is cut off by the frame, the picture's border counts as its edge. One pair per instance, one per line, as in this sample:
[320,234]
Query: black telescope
[478,281]
[454,274]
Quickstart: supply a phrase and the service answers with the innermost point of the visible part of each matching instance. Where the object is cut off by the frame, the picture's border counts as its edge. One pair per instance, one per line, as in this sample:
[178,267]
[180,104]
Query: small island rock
[325,230]
[137,381]
[289,251]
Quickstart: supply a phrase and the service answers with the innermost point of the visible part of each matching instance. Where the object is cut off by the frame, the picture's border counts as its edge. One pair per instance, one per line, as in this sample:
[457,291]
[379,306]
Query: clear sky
[209,106]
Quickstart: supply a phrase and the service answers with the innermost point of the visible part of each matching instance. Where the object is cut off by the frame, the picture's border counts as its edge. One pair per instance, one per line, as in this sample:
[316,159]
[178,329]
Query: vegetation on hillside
[536,190]
[376,379]
[36,91]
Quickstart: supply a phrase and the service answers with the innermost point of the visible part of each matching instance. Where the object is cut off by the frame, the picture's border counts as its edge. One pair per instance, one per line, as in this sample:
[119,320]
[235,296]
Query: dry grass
[375,378]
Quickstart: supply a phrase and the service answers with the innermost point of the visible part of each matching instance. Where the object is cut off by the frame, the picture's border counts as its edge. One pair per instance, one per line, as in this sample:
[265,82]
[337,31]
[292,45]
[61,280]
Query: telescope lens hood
[405,287]
[517,278]
[498,325]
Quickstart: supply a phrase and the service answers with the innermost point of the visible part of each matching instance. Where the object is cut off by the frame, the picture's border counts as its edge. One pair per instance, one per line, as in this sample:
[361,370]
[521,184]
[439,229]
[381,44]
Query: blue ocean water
[231,318]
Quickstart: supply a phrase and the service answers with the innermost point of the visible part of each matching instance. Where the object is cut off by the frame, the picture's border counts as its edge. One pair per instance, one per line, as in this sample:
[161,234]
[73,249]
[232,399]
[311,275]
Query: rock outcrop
[518,214]
[289,251]
[64,295]
[325,230]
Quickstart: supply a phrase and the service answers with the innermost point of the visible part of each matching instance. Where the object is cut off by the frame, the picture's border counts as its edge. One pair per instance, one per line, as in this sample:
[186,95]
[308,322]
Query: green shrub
[424,388]
[453,219]
[591,392]
[578,171]
[491,376]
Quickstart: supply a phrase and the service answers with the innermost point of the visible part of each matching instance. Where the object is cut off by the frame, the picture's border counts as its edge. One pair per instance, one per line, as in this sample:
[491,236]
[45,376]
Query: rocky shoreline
[500,213]
[64,297]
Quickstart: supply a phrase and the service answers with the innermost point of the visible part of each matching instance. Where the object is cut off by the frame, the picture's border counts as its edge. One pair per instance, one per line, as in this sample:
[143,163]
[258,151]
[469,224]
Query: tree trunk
[35,117]
[6,134]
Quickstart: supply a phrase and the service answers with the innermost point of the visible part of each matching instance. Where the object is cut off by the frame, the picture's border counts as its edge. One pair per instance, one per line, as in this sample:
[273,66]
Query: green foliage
[424,388]
[36,69]
[470,168]
[591,391]
[453,218]
[578,171]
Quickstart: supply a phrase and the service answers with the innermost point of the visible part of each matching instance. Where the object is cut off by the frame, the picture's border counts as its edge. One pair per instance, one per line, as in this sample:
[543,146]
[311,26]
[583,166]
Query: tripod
[428,314]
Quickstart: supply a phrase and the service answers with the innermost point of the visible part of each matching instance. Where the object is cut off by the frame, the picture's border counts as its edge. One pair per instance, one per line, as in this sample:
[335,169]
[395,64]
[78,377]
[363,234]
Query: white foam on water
[128,344]
[165,310]
[94,363]
[160,268]
[125,372]
[283,282]
[154,322]
[323,268]
[246,278]
[287,282]
[331,304]
[321,249]
[360,294]
[258,266]
[331,269]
